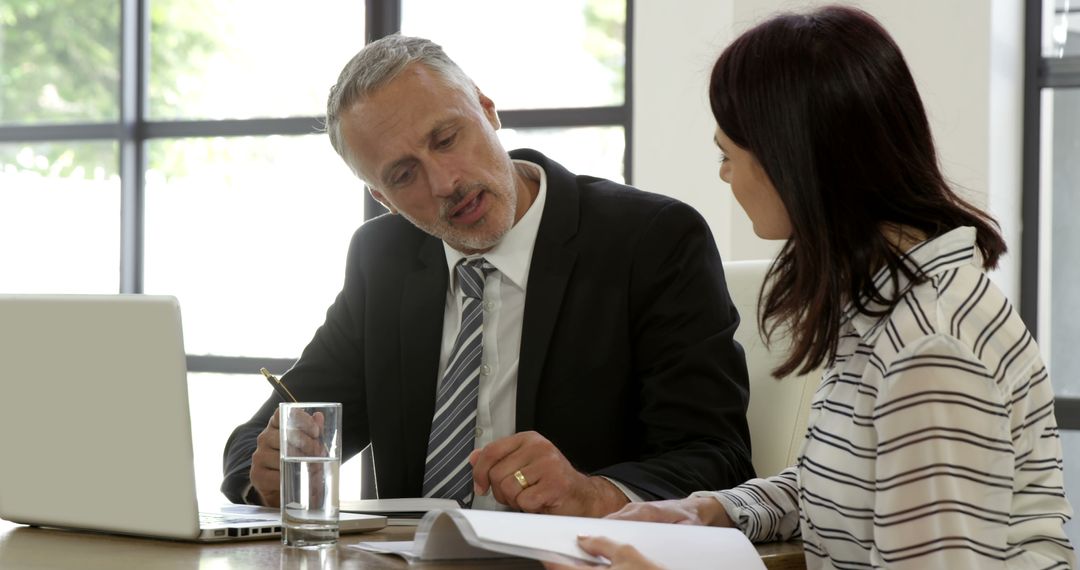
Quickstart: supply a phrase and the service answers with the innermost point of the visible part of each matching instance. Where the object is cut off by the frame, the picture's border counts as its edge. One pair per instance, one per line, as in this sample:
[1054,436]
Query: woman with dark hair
[932,440]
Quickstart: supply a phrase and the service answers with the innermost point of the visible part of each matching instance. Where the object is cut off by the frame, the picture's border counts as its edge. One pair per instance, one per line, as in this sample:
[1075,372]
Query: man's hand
[265,473]
[549,484]
[705,511]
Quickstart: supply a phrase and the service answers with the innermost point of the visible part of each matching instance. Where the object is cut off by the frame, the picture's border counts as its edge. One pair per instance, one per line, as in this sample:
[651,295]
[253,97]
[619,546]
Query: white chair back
[778,408]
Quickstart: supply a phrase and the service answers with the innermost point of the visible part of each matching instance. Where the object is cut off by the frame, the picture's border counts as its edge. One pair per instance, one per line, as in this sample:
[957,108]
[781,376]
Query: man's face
[428,150]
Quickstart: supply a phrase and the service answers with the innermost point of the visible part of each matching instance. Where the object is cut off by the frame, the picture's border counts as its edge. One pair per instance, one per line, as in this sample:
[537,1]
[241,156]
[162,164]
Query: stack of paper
[457,534]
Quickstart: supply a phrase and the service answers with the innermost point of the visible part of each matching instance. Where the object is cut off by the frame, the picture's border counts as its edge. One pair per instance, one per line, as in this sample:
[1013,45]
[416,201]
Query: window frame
[133,130]
[1039,73]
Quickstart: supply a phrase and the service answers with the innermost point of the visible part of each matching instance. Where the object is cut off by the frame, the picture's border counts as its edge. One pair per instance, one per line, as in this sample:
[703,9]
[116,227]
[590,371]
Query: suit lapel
[423,300]
[552,264]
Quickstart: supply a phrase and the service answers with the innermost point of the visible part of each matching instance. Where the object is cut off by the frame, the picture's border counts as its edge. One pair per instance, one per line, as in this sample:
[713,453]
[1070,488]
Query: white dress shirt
[504,305]
[504,308]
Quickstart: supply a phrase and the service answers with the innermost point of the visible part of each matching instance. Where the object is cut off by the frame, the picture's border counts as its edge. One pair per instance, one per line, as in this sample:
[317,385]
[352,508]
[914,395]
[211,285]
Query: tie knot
[471,276]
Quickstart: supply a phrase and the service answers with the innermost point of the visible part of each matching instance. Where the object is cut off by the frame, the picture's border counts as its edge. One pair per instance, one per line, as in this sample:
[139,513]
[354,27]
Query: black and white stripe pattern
[448,473]
[932,440]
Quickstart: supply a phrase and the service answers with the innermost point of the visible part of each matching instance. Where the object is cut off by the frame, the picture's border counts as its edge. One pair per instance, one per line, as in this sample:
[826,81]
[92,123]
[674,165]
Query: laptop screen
[95,429]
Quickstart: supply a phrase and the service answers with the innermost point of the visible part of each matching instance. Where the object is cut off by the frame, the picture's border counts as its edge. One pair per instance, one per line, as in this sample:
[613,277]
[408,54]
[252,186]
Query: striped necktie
[447,472]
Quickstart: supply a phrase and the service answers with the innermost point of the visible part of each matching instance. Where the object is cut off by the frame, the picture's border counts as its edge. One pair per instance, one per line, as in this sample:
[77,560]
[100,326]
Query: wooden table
[49,549]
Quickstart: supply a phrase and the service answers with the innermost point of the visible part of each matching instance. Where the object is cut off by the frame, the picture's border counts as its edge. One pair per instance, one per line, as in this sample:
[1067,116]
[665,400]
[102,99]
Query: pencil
[278,386]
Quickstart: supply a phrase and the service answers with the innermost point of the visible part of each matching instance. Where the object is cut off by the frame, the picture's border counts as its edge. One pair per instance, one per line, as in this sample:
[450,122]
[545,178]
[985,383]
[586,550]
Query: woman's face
[753,189]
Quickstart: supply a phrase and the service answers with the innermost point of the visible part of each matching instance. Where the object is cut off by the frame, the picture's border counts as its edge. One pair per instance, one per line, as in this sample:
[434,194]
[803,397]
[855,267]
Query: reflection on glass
[1064,177]
[59,61]
[310,558]
[248,58]
[596,151]
[59,218]
[571,53]
[1061,28]
[251,235]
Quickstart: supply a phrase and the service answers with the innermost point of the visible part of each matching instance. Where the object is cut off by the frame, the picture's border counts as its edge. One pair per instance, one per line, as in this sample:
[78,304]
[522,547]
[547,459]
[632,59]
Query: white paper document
[456,534]
[404,511]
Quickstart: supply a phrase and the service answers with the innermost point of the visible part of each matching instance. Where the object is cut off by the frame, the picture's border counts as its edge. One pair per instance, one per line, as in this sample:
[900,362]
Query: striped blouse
[932,440]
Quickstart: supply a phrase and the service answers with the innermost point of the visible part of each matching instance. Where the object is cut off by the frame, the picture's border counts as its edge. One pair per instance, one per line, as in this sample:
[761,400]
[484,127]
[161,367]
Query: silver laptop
[95,430]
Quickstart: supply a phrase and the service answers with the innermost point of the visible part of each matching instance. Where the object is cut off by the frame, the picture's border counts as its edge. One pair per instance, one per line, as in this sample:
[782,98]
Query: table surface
[48,549]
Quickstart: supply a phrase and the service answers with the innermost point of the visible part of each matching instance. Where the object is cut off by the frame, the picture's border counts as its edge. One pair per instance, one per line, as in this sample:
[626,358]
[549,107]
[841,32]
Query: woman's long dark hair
[826,103]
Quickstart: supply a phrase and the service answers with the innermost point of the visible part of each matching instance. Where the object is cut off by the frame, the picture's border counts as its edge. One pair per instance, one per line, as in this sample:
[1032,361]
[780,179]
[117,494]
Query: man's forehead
[411,108]
[404,124]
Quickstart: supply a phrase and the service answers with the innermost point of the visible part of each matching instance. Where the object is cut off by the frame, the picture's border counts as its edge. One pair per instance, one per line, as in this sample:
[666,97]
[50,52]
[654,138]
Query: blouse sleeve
[765,510]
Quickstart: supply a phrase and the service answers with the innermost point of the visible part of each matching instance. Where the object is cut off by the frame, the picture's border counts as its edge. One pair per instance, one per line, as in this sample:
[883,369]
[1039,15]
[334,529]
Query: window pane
[571,54]
[596,151]
[248,58]
[1063,183]
[59,61]
[219,403]
[59,218]
[251,235]
[1061,28]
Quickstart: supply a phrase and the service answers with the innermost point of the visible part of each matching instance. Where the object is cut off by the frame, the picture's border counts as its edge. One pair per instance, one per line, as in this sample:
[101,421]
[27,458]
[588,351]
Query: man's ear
[489,110]
[381,199]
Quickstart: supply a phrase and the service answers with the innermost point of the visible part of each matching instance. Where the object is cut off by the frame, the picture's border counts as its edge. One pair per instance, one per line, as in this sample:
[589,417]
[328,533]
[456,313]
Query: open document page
[456,534]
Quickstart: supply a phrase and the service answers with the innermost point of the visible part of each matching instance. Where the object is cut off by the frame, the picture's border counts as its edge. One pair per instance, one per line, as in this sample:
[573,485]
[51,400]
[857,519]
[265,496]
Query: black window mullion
[60,132]
[232,127]
[1029,232]
[134,46]
[1039,73]
[1063,72]
[1067,411]
[563,117]
[381,19]
[236,364]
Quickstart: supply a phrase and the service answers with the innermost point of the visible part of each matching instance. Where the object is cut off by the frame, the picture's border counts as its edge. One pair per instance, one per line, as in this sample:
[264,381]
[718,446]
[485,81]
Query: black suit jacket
[628,362]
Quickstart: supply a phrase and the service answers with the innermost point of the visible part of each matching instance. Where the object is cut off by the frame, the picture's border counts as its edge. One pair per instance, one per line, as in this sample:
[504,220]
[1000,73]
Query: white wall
[673,154]
[966,56]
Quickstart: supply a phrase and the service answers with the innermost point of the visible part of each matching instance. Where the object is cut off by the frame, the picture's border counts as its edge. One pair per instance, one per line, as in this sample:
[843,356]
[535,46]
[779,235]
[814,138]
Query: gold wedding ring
[521,479]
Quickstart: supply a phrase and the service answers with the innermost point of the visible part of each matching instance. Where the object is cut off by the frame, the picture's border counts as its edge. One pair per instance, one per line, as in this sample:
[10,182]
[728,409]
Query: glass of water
[310,463]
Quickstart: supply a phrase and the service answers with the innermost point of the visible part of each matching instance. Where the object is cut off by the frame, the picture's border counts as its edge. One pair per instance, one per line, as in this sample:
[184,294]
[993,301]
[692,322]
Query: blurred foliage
[606,38]
[60,63]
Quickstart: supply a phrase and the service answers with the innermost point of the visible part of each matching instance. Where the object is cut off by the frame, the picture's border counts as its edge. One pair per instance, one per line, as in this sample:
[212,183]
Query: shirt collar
[948,251]
[512,256]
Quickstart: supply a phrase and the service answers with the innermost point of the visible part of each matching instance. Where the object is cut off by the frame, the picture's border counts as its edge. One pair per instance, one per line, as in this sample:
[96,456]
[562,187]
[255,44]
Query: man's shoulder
[628,205]
[604,190]
[387,234]
[592,187]
[605,203]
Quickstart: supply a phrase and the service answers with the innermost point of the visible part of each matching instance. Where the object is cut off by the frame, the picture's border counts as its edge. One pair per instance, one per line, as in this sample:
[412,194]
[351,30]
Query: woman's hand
[704,511]
[691,510]
[622,556]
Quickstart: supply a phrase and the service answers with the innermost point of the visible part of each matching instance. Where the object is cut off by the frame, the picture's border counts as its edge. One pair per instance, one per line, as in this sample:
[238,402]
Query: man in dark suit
[510,335]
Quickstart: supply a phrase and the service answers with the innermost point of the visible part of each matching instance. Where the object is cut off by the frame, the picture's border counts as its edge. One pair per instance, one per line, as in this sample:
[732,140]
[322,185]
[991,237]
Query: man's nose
[443,178]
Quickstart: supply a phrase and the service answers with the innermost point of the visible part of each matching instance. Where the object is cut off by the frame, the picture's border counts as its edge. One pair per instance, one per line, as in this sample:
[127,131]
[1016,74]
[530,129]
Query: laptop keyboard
[223,518]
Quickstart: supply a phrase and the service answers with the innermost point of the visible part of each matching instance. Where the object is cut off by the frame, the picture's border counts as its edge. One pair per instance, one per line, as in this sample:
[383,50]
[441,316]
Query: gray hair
[377,64]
